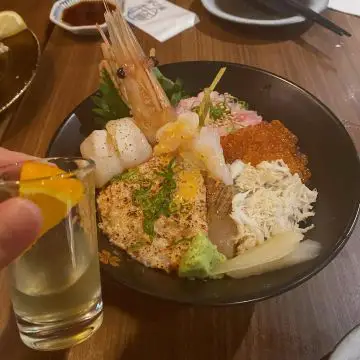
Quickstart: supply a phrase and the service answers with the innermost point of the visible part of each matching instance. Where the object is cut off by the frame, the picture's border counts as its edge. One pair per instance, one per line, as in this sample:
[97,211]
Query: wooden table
[305,323]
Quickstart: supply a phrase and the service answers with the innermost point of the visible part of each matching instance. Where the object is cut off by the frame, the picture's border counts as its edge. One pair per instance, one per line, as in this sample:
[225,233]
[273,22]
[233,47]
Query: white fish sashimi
[207,145]
[97,148]
[132,145]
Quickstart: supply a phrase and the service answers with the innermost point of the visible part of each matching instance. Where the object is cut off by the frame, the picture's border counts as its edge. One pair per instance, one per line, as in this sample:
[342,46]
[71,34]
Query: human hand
[20,219]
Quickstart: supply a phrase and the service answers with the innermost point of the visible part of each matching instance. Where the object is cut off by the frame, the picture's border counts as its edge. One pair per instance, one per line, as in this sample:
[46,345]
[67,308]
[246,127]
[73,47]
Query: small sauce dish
[80,16]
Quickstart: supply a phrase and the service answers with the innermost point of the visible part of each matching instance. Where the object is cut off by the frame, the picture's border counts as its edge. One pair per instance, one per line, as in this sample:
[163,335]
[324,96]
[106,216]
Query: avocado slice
[200,258]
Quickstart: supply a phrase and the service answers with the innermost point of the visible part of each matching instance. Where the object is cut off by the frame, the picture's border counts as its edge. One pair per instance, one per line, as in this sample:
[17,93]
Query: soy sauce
[86,13]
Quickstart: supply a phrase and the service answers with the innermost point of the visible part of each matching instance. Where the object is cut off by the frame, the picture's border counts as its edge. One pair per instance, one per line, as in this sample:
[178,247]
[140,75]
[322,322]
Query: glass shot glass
[55,284]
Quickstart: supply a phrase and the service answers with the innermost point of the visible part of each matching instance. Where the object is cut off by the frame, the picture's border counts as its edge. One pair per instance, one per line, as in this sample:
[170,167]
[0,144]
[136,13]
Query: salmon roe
[266,142]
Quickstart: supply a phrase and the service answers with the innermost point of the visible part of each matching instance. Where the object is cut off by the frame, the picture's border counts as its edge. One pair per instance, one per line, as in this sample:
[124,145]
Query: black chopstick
[312,15]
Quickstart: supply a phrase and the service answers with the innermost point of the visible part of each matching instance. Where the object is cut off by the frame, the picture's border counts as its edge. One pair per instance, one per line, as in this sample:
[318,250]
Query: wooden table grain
[304,324]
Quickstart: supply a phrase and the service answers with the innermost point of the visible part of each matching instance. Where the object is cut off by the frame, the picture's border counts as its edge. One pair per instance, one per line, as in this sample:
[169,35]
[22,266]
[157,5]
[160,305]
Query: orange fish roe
[266,142]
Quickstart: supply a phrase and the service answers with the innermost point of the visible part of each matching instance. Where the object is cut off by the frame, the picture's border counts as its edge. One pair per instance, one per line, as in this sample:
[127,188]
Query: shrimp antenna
[106,6]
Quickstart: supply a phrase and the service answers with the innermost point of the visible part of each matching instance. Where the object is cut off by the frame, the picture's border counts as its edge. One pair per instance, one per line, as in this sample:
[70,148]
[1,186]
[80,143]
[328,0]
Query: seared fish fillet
[153,210]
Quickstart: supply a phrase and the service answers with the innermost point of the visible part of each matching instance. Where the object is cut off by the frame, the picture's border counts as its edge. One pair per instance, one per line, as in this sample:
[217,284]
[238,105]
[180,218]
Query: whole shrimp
[131,72]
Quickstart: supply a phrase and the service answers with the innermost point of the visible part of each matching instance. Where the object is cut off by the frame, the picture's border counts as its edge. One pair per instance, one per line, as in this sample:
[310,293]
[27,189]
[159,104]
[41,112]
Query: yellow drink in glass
[55,285]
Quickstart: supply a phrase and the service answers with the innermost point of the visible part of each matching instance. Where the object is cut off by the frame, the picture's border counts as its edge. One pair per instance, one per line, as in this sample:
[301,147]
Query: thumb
[20,223]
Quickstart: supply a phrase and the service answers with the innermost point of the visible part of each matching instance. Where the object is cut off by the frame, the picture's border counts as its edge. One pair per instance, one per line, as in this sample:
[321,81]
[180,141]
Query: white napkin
[159,18]
[347,6]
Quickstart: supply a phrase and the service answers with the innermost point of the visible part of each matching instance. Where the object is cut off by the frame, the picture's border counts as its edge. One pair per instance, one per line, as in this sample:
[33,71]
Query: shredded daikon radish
[270,200]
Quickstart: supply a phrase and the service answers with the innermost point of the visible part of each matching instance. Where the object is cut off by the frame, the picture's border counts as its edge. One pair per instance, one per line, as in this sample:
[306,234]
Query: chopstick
[312,15]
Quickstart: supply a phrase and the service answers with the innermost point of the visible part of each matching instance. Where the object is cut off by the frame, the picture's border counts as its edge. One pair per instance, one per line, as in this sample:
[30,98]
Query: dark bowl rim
[302,278]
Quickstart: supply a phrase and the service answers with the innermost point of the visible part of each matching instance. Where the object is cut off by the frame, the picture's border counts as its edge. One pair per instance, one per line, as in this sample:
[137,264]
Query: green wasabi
[200,258]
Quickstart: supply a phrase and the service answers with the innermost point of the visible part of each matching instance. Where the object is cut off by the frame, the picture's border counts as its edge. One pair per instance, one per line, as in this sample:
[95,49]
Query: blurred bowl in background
[18,66]
[252,12]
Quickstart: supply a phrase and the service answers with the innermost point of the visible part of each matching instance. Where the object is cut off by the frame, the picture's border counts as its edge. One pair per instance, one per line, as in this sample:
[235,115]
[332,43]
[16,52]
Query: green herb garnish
[218,111]
[109,104]
[173,90]
[243,104]
[155,205]
[174,207]
[180,241]
[129,175]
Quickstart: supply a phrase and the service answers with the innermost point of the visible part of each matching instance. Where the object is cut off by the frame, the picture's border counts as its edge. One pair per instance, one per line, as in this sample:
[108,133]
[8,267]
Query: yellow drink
[55,285]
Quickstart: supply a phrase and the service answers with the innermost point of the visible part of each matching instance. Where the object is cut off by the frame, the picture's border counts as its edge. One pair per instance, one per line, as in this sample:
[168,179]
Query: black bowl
[333,162]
